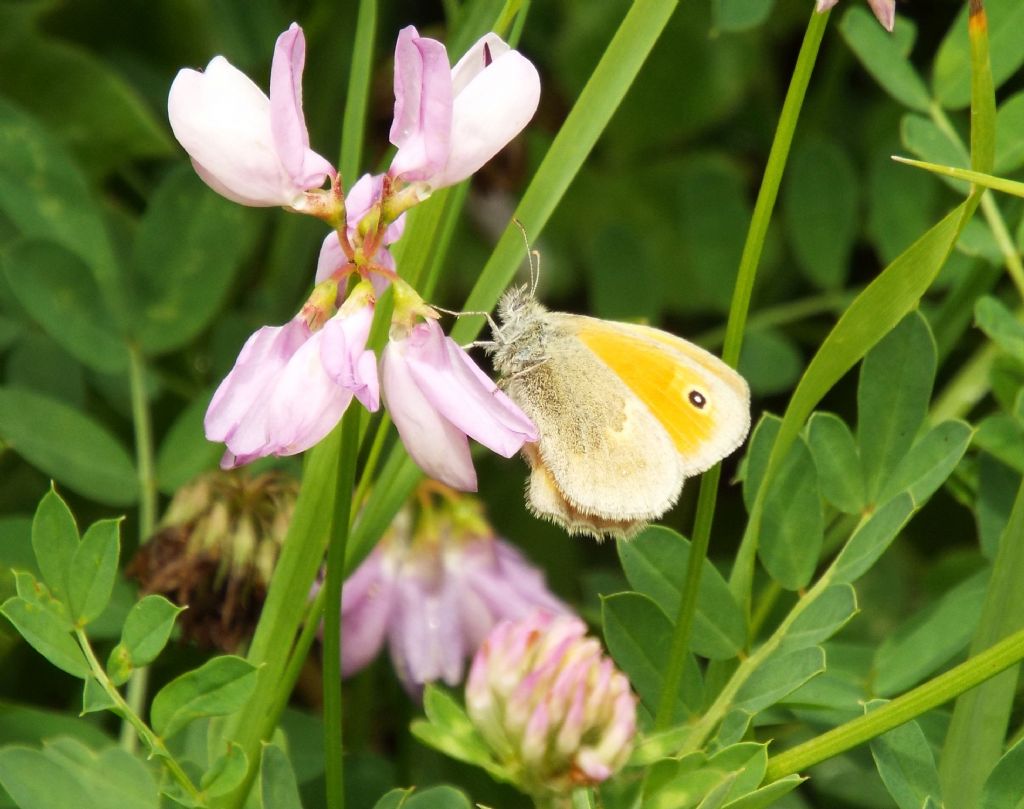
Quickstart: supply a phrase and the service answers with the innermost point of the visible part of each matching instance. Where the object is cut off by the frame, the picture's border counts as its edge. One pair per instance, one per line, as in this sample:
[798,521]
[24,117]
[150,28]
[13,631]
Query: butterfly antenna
[532,257]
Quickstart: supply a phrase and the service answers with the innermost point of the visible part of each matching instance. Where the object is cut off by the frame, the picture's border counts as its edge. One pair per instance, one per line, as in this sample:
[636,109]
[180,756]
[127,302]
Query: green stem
[969,386]
[137,684]
[131,718]
[734,330]
[372,459]
[340,526]
[742,577]
[930,695]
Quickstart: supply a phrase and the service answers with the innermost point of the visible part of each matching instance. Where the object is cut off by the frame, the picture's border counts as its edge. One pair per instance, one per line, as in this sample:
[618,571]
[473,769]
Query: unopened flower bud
[555,711]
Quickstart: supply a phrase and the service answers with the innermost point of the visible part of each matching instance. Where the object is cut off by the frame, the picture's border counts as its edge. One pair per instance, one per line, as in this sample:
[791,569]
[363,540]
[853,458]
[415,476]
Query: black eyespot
[697,399]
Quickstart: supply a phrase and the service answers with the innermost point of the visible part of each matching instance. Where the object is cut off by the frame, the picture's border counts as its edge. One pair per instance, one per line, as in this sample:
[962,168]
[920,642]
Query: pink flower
[434,600]
[449,123]
[885,10]
[550,705]
[437,396]
[360,199]
[290,386]
[249,148]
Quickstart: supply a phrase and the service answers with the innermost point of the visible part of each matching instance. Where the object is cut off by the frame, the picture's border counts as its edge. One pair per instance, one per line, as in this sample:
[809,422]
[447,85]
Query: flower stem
[134,721]
[137,684]
[340,526]
[735,327]
[930,695]
[357,97]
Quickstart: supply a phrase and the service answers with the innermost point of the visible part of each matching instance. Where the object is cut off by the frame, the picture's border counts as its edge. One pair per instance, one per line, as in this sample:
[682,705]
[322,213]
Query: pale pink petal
[825,5]
[425,642]
[885,11]
[364,195]
[463,394]
[223,120]
[306,168]
[423,106]
[332,257]
[492,109]
[368,601]
[345,358]
[306,403]
[238,409]
[484,51]
[438,448]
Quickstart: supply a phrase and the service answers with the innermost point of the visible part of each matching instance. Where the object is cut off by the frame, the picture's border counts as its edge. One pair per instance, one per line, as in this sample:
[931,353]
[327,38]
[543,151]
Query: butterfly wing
[600,448]
[702,403]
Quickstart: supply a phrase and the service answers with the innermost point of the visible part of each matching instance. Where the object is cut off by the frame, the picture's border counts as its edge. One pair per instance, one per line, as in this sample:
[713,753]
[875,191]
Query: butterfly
[625,413]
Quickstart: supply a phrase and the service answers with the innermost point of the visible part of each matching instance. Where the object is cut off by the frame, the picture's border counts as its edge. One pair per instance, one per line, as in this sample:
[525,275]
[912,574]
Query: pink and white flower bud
[437,396]
[448,123]
[252,149]
[551,706]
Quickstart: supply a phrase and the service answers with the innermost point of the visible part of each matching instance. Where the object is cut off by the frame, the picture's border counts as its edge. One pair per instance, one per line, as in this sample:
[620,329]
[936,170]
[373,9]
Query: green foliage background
[118,263]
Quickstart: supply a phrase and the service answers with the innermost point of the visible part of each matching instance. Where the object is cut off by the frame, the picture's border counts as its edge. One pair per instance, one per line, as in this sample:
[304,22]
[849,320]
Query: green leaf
[929,462]
[639,637]
[227,772]
[838,462]
[822,618]
[901,204]
[60,207]
[748,760]
[184,451]
[820,210]
[83,100]
[793,526]
[872,538]
[892,397]
[927,140]
[218,687]
[58,291]
[146,629]
[95,698]
[65,773]
[655,562]
[1004,788]
[759,448]
[780,675]
[92,572]
[739,15]
[770,361]
[394,799]
[37,594]
[906,763]
[54,541]
[38,364]
[46,634]
[68,445]
[930,639]
[767,795]
[278,787]
[1000,324]
[997,488]
[450,730]
[182,261]
[885,56]
[1002,436]
[952,75]
[441,797]
[1010,135]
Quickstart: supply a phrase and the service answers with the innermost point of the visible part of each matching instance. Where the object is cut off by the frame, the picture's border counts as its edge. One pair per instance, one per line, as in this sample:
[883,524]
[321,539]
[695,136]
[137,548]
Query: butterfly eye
[697,399]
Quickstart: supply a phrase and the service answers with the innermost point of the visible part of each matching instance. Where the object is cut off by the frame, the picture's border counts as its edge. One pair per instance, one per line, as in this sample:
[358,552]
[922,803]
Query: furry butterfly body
[625,414]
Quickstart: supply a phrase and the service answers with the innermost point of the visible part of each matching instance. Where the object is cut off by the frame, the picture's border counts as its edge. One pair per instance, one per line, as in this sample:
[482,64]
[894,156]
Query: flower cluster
[291,383]
[433,588]
[554,710]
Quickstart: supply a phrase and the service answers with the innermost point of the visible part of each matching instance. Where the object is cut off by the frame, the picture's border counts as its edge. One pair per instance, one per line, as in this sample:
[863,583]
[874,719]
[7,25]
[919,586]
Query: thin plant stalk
[143,426]
[340,528]
[735,327]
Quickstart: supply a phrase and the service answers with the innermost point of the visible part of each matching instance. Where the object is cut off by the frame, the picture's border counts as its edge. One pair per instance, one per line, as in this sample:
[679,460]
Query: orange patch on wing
[657,377]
